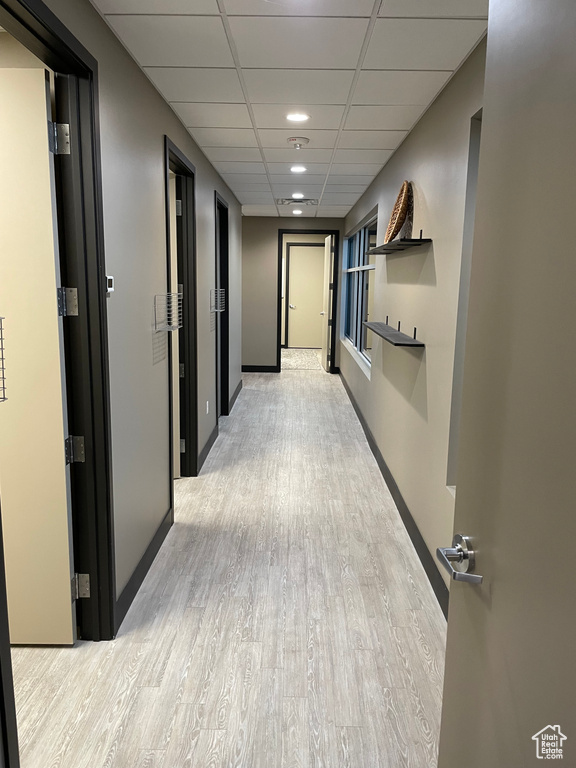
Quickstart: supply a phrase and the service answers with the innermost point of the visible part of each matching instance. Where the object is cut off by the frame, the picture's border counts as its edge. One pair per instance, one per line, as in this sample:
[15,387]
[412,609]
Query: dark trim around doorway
[222,318]
[281,233]
[82,256]
[185,171]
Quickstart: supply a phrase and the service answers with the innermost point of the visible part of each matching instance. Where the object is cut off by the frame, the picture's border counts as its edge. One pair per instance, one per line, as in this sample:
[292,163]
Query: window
[359,288]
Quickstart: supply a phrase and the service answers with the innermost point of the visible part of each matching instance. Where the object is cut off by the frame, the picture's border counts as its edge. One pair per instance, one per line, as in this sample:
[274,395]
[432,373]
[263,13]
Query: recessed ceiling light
[297,212]
[297,117]
[298,196]
[298,169]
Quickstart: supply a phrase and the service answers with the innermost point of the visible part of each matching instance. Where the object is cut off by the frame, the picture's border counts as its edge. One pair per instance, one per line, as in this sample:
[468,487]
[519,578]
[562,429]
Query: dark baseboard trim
[335,370]
[207,448]
[261,369]
[426,558]
[234,396]
[131,589]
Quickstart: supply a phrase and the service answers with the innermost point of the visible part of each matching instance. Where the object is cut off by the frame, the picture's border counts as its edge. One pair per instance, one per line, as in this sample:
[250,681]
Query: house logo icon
[549,743]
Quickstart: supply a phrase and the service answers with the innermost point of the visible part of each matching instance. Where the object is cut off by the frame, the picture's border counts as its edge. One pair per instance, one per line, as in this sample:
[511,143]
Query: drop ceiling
[364,70]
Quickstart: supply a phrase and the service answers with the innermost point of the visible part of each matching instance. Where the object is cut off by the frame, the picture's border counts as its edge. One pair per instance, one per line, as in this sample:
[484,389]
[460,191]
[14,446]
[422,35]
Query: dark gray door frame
[333,287]
[222,318]
[80,225]
[178,163]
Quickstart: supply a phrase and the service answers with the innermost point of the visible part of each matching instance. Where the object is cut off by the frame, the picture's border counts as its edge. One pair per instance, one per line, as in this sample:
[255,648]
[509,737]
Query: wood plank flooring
[286,622]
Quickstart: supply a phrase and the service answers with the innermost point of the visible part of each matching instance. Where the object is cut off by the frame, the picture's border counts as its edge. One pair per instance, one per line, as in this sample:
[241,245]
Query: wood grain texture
[286,620]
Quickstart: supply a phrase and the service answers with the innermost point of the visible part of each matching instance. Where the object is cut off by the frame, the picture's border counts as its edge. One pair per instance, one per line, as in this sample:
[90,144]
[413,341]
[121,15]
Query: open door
[509,687]
[34,475]
[327,303]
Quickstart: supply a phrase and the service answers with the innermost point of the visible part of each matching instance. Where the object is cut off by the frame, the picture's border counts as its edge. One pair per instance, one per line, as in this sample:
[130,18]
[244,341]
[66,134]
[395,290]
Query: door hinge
[181,370]
[182,446]
[68,302]
[59,138]
[80,586]
[178,207]
[74,449]
[329,323]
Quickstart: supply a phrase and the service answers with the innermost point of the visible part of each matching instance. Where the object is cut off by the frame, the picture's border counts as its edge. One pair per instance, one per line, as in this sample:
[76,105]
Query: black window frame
[356,281]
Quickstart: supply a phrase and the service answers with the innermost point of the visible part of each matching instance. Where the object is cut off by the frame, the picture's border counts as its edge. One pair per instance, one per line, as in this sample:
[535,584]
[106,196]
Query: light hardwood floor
[286,622]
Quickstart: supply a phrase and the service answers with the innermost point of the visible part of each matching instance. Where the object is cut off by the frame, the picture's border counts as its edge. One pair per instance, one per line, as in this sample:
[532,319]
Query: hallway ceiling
[363,70]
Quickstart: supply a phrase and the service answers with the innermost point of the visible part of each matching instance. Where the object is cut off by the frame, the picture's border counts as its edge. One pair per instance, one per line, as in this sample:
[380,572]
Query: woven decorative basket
[399,212]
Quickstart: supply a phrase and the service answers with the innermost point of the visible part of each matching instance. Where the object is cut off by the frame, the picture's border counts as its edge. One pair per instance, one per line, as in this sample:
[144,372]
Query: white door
[34,479]
[305,267]
[509,695]
[327,301]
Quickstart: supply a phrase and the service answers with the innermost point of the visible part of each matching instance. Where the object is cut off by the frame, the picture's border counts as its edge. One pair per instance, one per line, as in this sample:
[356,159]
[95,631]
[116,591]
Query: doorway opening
[181,249]
[71,158]
[222,312]
[463,298]
[307,285]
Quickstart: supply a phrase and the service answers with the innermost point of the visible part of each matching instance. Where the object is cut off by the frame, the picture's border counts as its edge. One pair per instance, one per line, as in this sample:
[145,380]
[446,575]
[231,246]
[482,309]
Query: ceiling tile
[333,211]
[274,86]
[284,169]
[288,155]
[363,156]
[239,178]
[204,115]
[399,87]
[225,166]
[383,118]
[224,137]
[323,116]
[298,7]
[255,198]
[336,178]
[154,6]
[259,210]
[351,188]
[239,186]
[308,211]
[354,169]
[174,41]
[440,8]
[371,139]
[196,85]
[279,138]
[442,43]
[295,179]
[298,43]
[242,154]
[333,198]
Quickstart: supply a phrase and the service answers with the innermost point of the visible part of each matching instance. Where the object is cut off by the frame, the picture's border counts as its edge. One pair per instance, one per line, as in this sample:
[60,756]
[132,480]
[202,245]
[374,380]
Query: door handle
[292,306]
[322,313]
[459,560]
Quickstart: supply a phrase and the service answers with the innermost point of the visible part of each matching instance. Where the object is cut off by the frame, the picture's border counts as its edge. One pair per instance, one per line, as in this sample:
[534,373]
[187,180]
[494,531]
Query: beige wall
[260,283]
[133,122]
[406,398]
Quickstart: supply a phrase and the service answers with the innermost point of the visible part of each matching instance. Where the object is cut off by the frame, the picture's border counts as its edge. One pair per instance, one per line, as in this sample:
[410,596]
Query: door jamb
[176,161]
[335,265]
[36,27]
[223,318]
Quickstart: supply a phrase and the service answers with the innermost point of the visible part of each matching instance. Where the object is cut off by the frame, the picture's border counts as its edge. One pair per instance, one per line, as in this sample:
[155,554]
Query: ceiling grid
[364,71]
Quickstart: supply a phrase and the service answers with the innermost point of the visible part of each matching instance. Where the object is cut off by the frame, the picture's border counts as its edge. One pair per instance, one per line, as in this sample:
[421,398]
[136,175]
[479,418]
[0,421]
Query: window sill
[359,359]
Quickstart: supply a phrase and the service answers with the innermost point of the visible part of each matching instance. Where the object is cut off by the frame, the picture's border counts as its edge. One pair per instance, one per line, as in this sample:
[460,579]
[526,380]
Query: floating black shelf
[399,245]
[393,336]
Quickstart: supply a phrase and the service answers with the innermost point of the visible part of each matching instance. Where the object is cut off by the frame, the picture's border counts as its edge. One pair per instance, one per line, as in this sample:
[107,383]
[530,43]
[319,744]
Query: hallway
[286,622]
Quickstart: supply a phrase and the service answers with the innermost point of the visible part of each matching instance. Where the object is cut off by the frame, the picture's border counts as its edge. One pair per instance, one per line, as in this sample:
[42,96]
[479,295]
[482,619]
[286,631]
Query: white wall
[407,396]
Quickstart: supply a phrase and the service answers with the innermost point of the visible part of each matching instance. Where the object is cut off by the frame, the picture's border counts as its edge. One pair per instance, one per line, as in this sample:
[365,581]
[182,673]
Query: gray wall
[133,121]
[260,282]
[406,395]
